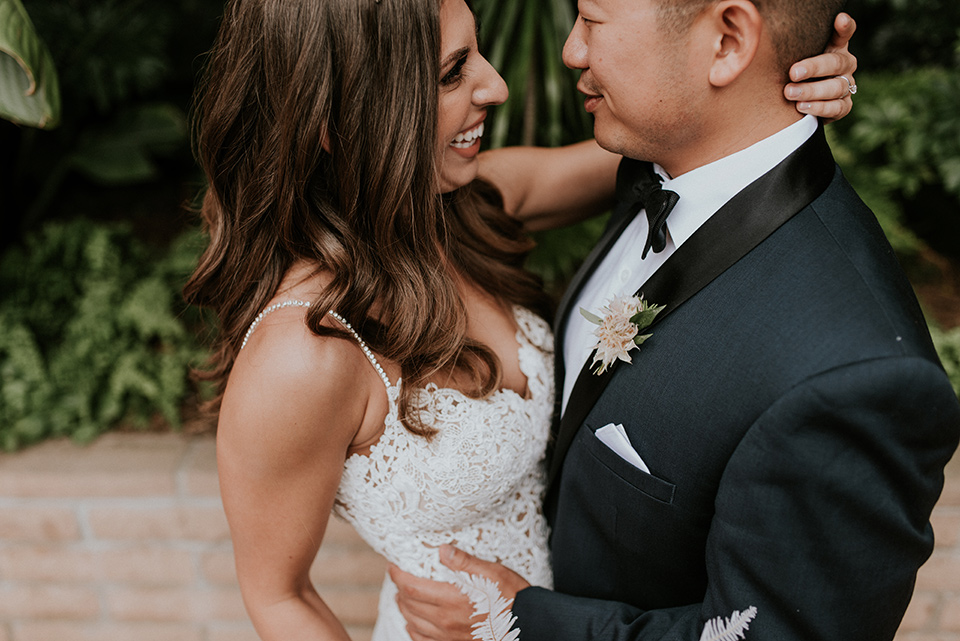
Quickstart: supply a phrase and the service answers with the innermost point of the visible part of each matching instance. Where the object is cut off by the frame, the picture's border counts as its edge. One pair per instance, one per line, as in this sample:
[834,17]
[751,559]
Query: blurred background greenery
[98,232]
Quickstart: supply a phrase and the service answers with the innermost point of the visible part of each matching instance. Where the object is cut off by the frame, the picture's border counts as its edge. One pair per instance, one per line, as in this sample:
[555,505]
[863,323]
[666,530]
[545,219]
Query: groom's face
[637,77]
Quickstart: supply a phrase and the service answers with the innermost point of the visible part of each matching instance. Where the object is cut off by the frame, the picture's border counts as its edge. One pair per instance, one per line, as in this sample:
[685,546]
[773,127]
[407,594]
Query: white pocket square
[615,437]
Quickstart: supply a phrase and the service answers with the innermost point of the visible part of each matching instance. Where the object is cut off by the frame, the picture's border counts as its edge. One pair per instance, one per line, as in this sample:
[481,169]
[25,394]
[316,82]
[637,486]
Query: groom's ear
[736,30]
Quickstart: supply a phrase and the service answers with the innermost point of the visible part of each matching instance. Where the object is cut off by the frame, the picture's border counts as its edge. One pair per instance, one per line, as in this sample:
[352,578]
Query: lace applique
[478,484]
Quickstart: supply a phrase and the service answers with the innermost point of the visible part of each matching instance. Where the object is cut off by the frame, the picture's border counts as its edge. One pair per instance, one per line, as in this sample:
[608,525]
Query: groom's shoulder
[849,276]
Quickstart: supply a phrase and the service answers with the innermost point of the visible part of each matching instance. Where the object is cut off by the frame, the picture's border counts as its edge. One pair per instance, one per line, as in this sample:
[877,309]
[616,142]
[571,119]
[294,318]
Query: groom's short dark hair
[799,28]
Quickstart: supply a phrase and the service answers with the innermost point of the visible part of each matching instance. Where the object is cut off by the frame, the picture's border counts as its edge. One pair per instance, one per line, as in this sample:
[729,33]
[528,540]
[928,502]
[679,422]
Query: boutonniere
[618,331]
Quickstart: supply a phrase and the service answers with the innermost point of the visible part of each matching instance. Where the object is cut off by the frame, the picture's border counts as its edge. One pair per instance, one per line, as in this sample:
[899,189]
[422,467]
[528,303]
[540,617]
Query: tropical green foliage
[29,89]
[126,69]
[948,346]
[901,150]
[92,332]
[523,41]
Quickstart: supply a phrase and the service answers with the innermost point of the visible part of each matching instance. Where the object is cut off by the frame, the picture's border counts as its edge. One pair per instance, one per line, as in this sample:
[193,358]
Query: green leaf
[645,316]
[122,152]
[29,89]
[593,318]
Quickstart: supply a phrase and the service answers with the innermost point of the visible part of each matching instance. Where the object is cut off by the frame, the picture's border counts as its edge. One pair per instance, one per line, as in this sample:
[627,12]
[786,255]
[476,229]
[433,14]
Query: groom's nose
[575,49]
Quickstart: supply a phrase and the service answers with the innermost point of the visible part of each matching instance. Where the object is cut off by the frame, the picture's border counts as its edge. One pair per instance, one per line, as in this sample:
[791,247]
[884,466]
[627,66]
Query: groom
[786,425]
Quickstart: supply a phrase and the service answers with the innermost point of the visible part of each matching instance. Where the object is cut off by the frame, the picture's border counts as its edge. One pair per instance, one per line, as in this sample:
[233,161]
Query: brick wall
[125,540]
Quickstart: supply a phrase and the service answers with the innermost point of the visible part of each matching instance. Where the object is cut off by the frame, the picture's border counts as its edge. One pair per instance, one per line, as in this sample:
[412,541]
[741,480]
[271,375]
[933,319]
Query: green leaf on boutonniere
[593,318]
[646,315]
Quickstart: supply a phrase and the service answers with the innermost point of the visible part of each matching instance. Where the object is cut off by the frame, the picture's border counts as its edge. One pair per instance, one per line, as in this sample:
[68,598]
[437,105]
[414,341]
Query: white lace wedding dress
[477,484]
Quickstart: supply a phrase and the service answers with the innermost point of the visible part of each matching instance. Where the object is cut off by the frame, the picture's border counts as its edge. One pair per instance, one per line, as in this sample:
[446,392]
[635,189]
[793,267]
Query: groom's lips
[591,101]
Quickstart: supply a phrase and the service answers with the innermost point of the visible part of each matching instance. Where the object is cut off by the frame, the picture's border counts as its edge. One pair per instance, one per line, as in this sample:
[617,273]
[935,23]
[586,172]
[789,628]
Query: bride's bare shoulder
[288,379]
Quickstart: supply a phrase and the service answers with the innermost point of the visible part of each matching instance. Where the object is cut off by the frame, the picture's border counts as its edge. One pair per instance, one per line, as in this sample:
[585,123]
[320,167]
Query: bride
[382,354]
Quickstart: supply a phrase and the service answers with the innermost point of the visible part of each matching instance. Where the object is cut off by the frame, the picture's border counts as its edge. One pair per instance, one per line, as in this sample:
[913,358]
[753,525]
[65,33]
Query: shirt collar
[704,190]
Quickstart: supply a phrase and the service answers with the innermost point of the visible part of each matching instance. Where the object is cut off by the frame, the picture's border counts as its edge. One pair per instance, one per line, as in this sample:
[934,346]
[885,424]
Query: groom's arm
[821,522]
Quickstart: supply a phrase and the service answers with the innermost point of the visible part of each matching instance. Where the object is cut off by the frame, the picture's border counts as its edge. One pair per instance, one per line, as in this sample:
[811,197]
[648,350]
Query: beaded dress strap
[338,317]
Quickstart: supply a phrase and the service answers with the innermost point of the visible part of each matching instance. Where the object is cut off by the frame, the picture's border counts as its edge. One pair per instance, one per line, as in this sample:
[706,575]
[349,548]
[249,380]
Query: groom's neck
[733,125]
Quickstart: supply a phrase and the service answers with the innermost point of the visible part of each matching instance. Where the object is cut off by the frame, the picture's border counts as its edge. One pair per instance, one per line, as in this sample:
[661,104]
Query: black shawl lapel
[627,173]
[726,237]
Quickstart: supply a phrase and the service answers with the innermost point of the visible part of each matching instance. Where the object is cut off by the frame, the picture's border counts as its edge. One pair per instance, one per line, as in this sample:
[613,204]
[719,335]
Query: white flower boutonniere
[618,331]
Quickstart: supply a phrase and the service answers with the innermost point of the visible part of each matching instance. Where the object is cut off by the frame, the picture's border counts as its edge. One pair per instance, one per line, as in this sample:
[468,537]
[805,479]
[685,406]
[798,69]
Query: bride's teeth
[464,140]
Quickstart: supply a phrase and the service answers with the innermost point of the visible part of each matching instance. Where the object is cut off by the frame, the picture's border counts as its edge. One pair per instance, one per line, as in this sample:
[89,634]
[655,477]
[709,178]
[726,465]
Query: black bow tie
[646,192]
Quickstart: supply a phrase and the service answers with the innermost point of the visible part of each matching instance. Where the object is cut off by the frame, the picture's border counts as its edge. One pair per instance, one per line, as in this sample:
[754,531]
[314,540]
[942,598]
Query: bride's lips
[467,142]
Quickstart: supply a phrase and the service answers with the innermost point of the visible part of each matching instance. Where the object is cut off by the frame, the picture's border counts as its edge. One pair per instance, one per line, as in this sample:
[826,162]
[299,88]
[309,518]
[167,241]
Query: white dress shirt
[703,191]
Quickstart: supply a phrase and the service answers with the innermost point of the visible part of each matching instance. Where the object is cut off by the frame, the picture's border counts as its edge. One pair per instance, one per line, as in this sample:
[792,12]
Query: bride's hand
[437,611]
[818,86]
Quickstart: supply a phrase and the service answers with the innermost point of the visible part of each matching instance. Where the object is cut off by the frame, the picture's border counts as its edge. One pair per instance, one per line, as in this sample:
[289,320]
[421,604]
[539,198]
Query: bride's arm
[282,440]
[550,188]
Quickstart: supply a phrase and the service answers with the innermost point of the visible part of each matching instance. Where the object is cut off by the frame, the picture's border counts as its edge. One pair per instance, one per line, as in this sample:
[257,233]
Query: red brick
[360,633]
[335,566]
[921,613]
[235,632]
[118,464]
[218,567]
[147,566]
[176,604]
[353,606]
[946,526]
[927,636]
[206,523]
[48,563]
[198,475]
[38,524]
[339,532]
[43,631]
[940,572]
[225,605]
[48,602]
[950,614]
[951,488]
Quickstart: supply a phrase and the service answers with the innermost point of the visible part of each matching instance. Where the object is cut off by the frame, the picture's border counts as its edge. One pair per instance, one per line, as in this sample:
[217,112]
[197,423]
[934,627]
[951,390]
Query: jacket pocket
[650,485]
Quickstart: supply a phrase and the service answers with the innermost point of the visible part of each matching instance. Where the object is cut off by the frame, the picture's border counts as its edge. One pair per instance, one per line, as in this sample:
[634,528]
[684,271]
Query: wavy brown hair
[287,78]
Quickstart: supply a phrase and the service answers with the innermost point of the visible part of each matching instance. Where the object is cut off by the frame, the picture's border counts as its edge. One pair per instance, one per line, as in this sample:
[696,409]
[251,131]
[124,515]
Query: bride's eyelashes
[455,75]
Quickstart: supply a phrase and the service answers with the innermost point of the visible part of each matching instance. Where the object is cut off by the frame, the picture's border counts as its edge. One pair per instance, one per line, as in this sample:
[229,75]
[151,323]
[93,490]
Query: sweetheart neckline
[522,341]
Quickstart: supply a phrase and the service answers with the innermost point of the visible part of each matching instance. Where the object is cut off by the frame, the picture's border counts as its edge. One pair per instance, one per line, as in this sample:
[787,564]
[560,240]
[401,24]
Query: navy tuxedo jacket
[796,422]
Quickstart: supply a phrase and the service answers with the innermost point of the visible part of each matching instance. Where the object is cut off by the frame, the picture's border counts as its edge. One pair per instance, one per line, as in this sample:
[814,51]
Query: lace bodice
[478,484]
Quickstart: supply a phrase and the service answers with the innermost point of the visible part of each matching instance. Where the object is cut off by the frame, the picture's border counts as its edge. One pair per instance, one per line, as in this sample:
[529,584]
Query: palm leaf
[29,90]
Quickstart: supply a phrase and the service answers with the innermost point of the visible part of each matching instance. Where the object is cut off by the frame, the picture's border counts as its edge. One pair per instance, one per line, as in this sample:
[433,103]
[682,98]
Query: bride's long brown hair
[287,78]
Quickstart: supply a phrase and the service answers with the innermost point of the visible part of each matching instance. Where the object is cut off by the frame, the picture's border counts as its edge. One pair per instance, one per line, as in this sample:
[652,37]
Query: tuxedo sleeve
[821,517]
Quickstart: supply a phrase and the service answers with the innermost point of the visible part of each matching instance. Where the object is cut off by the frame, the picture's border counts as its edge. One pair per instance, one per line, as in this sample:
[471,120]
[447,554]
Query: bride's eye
[455,74]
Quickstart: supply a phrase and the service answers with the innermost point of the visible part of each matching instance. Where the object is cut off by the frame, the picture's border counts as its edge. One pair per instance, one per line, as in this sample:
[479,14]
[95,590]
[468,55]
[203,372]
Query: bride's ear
[736,30]
[325,139]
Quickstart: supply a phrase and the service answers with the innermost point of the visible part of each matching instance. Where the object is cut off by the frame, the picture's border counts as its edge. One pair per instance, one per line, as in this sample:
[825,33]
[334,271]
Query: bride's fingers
[837,88]
[426,628]
[826,65]
[828,111]
[844,27]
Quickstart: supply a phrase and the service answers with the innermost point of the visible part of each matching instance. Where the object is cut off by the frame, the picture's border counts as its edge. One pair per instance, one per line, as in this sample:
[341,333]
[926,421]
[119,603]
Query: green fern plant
[92,334]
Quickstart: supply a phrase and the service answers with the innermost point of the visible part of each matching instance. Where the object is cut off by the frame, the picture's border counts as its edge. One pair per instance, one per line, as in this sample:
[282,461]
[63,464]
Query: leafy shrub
[948,346]
[900,146]
[92,333]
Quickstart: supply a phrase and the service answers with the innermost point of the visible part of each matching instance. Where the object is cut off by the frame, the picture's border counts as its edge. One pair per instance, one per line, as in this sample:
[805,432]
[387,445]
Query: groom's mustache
[587,88]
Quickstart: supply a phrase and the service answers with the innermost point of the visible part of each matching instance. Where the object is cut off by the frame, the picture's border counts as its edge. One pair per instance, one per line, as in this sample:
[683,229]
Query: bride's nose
[491,88]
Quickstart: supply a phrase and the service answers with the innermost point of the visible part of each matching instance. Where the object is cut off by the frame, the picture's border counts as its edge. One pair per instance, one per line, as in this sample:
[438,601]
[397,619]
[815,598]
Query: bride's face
[468,85]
